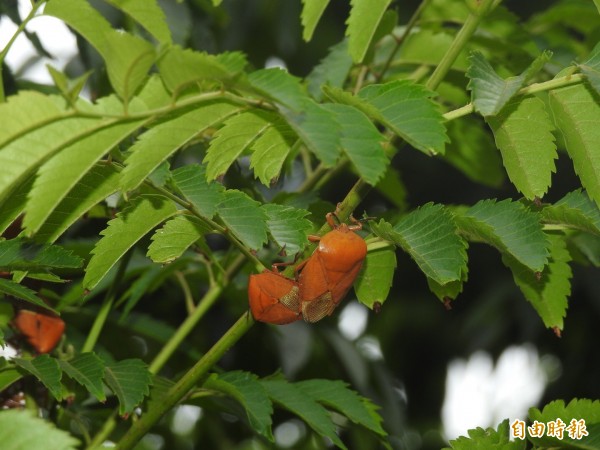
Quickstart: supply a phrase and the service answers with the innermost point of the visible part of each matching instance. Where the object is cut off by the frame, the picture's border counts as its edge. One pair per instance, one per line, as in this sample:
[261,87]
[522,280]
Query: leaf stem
[531,89]
[407,29]
[188,324]
[460,41]
[187,293]
[211,223]
[186,383]
[105,431]
[100,320]
[185,329]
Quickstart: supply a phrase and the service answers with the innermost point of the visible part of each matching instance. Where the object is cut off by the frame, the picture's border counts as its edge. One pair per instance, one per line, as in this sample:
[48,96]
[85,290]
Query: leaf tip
[557,331]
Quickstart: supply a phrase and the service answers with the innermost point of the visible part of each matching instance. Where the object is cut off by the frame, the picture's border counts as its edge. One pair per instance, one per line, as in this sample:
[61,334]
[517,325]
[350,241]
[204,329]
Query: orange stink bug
[273,298]
[43,331]
[326,277]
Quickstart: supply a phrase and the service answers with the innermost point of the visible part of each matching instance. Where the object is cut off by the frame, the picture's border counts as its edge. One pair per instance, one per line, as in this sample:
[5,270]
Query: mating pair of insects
[321,282]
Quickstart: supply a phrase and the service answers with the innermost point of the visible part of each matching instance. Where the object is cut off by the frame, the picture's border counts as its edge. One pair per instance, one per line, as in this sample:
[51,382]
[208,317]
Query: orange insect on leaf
[327,276]
[42,331]
[273,298]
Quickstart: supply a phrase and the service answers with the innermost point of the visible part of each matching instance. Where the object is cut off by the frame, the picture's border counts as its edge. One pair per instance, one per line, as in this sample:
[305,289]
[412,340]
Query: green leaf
[576,111]
[100,182]
[26,111]
[429,236]
[288,226]
[158,391]
[488,439]
[523,133]
[142,284]
[364,18]
[160,142]
[549,292]
[292,398]
[407,109]
[244,217]
[472,151]
[490,93]
[21,430]
[574,210]
[250,393]
[22,156]
[130,225]
[375,279]
[181,68]
[130,381]
[361,142]
[509,227]
[9,287]
[577,409]
[149,15]
[8,375]
[56,178]
[19,254]
[70,89]
[589,247]
[312,11]
[87,369]
[191,182]
[335,394]
[45,369]
[393,189]
[270,150]
[154,94]
[316,126]
[234,62]
[15,204]
[425,46]
[279,86]
[448,291]
[591,68]
[331,71]
[237,135]
[127,57]
[318,129]
[170,241]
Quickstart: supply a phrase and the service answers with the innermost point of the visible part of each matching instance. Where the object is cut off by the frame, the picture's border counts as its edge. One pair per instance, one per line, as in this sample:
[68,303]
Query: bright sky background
[478,392]
[57,39]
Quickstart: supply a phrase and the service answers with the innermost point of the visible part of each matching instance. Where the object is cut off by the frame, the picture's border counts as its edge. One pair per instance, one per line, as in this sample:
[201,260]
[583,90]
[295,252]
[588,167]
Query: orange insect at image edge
[42,331]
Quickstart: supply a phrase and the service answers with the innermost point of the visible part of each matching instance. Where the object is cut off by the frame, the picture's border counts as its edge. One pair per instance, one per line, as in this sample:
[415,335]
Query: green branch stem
[460,41]
[213,293]
[549,85]
[106,306]
[183,387]
[185,329]
[399,41]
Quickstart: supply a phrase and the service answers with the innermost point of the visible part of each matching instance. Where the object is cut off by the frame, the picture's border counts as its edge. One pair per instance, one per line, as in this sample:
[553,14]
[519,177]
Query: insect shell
[327,276]
[273,298]
[42,331]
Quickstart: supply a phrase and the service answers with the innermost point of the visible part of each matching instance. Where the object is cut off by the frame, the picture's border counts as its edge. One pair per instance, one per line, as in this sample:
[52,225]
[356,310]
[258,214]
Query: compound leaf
[142,215]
